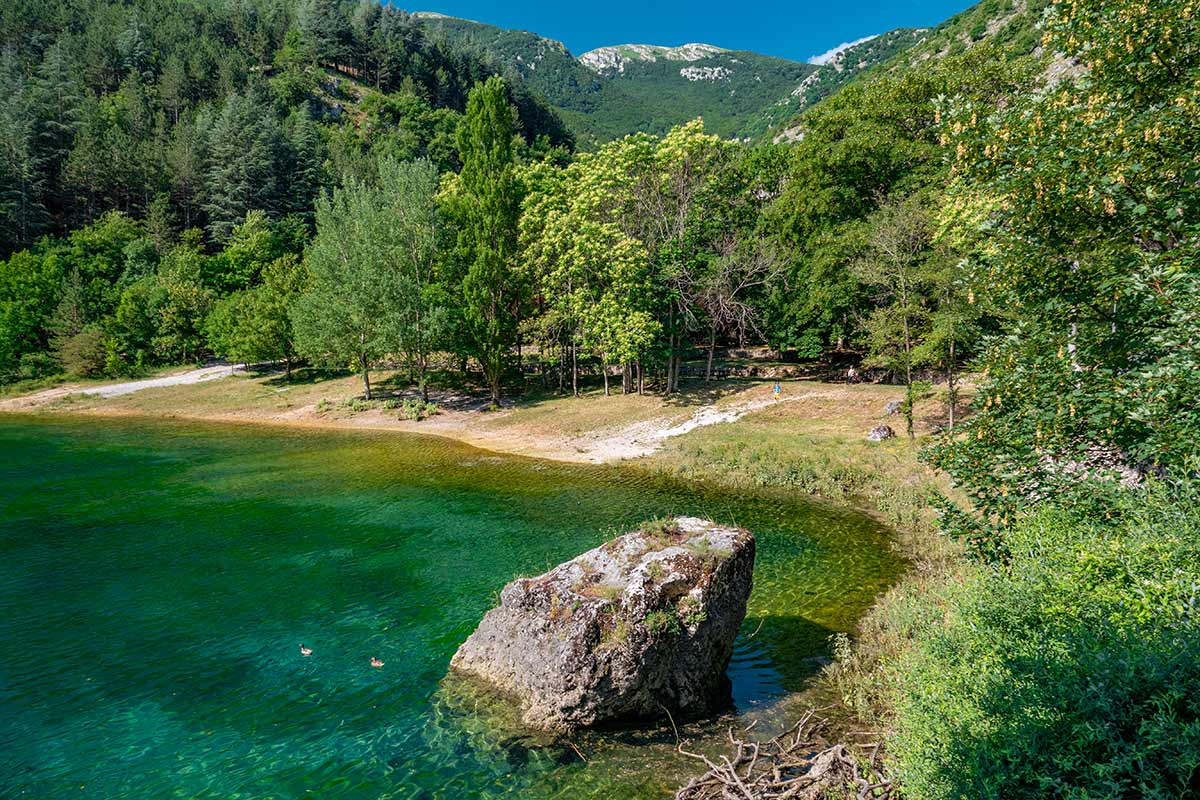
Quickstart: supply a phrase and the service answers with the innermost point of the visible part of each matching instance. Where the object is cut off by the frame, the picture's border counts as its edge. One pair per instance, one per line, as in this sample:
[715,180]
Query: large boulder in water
[641,624]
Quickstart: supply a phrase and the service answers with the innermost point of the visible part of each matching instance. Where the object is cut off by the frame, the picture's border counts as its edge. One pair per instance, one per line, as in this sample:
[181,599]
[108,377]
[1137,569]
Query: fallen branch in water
[790,766]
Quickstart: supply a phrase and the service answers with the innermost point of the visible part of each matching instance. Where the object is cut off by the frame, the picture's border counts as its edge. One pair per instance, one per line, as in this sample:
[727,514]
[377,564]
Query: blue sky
[797,30]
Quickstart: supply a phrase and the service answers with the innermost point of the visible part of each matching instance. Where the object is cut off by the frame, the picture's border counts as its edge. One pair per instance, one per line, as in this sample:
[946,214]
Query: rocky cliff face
[643,623]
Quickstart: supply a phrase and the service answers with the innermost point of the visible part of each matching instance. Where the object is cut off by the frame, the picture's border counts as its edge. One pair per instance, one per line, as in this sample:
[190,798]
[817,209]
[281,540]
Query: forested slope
[199,112]
[622,89]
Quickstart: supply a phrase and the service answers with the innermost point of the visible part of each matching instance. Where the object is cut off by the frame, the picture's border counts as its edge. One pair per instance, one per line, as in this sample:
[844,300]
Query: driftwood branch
[790,766]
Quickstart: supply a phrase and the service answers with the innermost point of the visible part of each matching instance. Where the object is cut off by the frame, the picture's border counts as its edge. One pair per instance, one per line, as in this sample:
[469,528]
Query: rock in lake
[643,623]
[880,432]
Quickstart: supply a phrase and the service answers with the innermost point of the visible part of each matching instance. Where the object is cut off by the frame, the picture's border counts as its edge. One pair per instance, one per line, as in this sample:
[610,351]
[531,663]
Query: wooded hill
[622,89]
[192,113]
[619,90]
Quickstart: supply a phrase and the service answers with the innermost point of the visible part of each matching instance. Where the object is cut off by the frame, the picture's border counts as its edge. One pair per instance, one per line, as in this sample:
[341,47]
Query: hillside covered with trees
[330,184]
[615,91]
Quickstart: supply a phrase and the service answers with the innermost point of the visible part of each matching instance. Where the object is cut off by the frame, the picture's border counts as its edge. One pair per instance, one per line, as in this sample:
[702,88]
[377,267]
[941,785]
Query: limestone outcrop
[880,433]
[642,624]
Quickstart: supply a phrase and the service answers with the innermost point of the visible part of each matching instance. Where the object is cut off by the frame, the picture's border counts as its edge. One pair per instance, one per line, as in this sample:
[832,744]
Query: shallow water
[156,579]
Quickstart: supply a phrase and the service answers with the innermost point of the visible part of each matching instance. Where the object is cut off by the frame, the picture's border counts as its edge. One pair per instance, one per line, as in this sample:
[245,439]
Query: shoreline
[590,428]
[731,433]
[485,443]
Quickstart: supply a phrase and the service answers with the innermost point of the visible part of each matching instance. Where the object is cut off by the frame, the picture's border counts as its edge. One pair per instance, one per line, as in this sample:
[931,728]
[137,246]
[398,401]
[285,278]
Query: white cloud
[828,55]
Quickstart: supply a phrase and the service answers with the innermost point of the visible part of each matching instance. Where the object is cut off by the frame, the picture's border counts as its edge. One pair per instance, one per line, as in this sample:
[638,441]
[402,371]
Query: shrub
[1073,672]
[36,365]
[417,410]
[84,354]
[659,623]
[690,611]
[324,405]
[357,404]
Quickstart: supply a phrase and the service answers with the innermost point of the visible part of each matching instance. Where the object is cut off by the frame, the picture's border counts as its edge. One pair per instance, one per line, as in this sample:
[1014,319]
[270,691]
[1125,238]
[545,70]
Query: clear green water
[157,578]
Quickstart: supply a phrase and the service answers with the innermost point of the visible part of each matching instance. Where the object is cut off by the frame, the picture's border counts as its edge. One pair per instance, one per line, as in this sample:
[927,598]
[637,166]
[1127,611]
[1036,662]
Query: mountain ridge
[619,89]
[612,91]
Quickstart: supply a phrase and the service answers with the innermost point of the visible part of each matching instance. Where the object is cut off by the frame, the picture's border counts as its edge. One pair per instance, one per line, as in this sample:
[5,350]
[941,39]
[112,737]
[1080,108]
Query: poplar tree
[487,207]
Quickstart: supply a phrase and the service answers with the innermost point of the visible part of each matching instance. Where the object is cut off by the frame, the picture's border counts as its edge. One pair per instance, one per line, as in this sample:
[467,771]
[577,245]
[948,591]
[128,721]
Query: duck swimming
[305,651]
[375,662]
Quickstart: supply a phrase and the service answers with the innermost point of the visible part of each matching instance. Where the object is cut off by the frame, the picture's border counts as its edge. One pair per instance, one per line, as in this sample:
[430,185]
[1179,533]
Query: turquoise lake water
[157,578]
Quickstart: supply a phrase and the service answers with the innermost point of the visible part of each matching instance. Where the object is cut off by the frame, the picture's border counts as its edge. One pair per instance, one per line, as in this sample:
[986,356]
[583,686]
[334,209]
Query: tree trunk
[908,411]
[641,385]
[366,376]
[673,376]
[604,369]
[951,389]
[574,369]
[712,346]
[670,349]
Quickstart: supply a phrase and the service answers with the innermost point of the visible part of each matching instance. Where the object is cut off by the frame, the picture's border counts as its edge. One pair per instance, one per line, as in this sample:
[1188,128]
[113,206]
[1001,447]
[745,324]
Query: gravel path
[195,376]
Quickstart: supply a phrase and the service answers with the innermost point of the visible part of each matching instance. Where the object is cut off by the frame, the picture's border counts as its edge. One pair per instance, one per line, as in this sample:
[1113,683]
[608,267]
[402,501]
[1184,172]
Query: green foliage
[1082,198]
[726,87]
[874,143]
[486,205]
[900,264]
[179,305]
[345,315]
[851,65]
[84,354]
[690,611]
[662,529]
[1075,671]
[357,405]
[661,623]
[419,314]
[29,284]
[417,410]
[211,111]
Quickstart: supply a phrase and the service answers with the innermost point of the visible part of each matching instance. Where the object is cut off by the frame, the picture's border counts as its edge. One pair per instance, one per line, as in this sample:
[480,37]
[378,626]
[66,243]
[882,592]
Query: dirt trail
[118,389]
[644,438]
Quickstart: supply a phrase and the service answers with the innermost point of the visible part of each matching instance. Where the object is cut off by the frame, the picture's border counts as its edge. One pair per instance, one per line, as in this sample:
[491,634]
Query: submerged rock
[641,624]
[880,432]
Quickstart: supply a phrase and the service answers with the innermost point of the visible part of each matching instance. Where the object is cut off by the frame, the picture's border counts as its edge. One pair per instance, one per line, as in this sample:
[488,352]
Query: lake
[158,577]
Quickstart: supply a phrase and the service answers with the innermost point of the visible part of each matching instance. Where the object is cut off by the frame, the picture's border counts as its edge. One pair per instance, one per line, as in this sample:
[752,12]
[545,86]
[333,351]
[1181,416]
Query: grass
[817,446]
[690,611]
[660,530]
